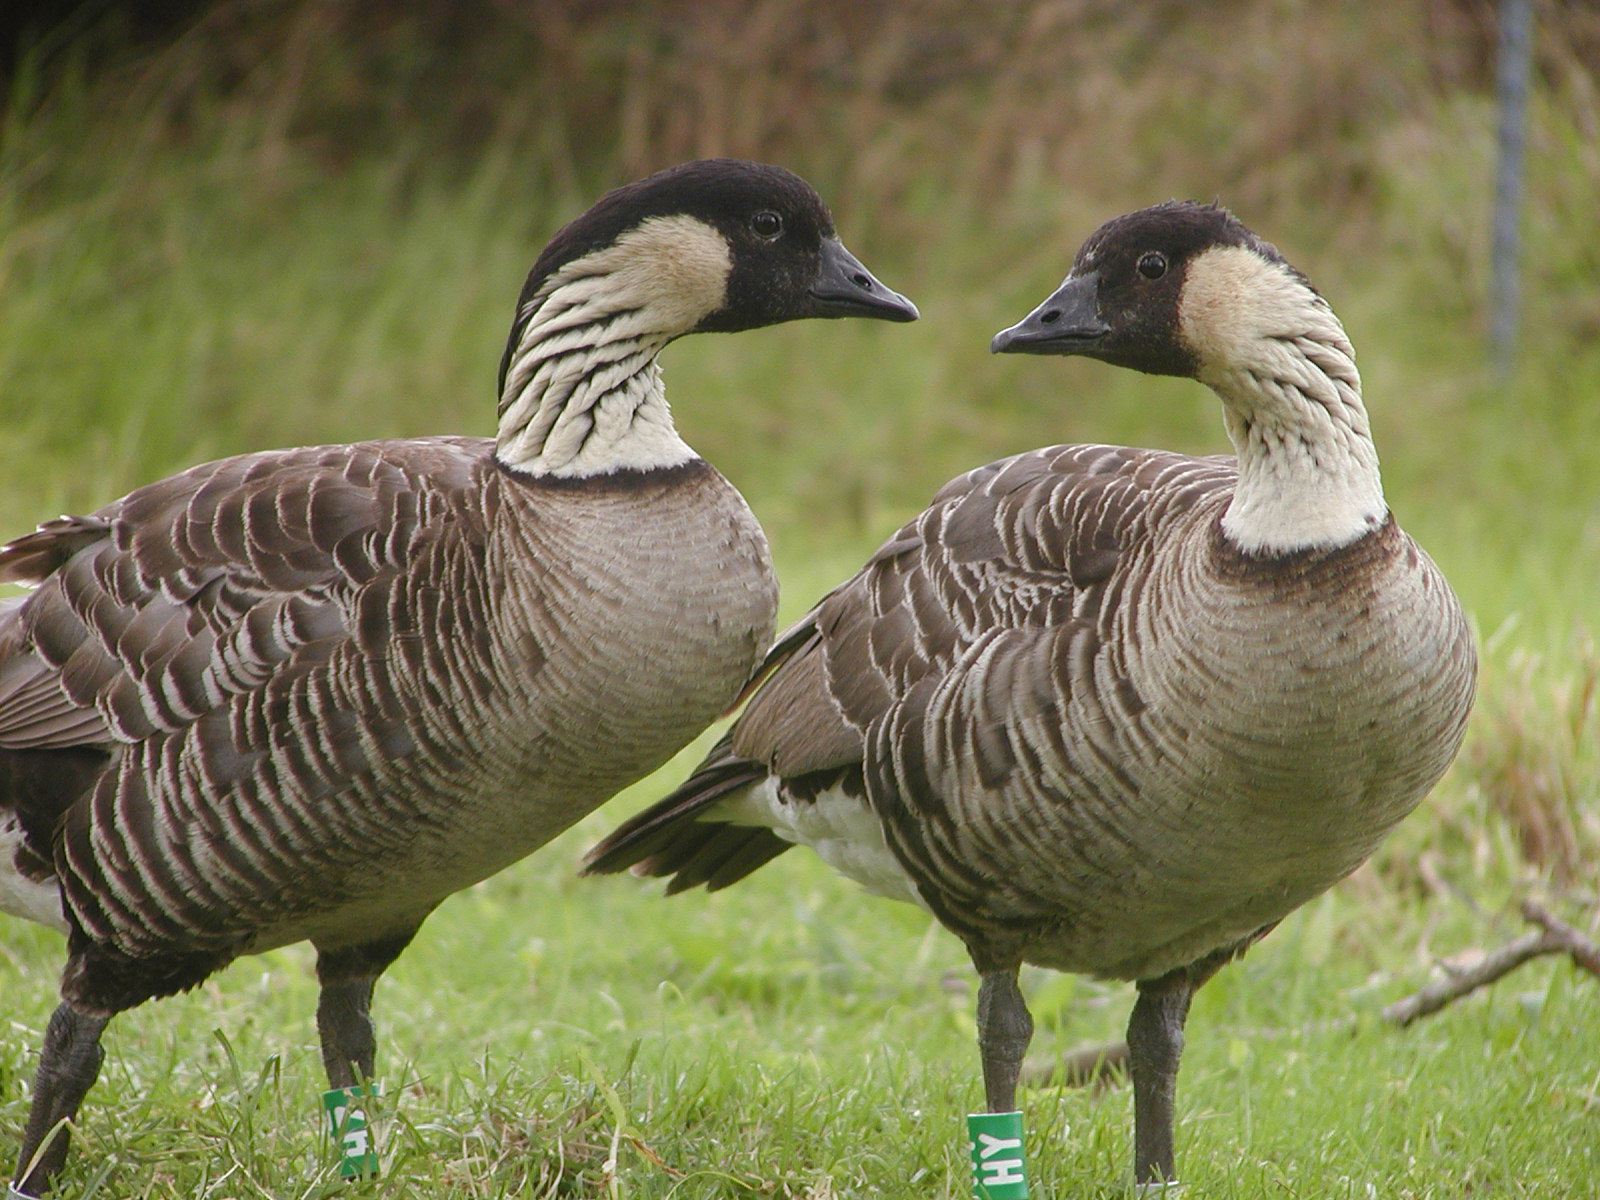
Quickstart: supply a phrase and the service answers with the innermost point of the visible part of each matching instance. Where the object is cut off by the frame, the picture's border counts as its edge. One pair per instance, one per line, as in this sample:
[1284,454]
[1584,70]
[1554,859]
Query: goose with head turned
[307,694]
[1107,710]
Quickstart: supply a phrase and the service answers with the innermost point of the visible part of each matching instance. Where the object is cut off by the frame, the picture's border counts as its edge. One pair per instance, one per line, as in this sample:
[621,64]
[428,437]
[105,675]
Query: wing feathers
[945,669]
[186,622]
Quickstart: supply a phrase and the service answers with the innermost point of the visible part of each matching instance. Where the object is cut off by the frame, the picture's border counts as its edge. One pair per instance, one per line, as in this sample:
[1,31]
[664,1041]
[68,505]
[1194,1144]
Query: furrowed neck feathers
[1277,356]
[582,394]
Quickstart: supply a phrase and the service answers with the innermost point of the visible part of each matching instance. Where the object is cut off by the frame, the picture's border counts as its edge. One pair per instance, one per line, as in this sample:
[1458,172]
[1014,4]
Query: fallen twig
[1458,981]
[1553,937]
[1584,952]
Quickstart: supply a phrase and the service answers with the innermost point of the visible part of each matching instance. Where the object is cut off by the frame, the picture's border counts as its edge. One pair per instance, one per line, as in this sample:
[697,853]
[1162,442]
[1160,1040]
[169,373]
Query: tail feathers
[34,557]
[38,787]
[670,838]
[717,856]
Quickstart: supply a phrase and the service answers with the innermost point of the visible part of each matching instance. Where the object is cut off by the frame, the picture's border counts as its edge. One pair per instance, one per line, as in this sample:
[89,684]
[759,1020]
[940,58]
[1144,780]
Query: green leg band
[352,1133]
[999,1165]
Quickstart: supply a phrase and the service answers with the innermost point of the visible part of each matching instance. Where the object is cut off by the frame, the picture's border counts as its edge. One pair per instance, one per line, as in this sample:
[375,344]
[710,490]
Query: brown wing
[1029,544]
[190,631]
[156,609]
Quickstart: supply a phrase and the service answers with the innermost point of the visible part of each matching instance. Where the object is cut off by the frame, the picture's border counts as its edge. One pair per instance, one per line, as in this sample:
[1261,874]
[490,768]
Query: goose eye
[1153,265]
[766,225]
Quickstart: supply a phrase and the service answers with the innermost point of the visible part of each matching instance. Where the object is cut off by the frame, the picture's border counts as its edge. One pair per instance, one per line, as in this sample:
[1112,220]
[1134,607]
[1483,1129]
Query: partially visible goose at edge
[307,694]
[1107,710]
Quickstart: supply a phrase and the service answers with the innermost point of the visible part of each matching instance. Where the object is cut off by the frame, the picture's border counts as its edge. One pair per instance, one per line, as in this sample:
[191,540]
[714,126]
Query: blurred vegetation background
[245,223]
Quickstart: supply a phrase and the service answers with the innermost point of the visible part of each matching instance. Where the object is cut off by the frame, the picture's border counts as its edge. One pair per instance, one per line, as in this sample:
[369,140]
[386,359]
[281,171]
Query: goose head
[712,246]
[1186,289]
[717,245]
[1177,289]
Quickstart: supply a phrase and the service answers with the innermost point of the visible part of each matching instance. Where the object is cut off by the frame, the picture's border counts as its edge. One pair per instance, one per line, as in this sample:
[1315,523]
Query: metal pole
[1516,52]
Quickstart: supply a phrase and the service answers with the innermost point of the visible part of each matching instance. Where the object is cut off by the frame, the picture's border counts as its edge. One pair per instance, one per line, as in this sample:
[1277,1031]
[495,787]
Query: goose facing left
[1107,709]
[307,694]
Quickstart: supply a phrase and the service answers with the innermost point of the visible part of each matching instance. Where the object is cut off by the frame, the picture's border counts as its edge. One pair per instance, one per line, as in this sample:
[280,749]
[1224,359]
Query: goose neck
[1308,469]
[583,393]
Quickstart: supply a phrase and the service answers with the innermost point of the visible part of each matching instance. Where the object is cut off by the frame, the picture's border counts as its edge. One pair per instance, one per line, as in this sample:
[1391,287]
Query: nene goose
[307,694]
[1109,710]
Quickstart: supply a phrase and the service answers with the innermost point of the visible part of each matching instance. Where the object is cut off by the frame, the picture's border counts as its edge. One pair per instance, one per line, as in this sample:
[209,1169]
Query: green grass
[190,268]
[794,1038]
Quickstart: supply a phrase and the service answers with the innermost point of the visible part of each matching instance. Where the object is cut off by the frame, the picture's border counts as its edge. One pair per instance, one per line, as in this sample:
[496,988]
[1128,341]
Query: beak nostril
[864,282]
[1050,317]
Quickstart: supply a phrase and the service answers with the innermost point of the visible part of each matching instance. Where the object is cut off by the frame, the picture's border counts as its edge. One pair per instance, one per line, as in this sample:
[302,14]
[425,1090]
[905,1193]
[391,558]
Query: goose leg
[69,1063]
[344,1019]
[1155,1046]
[344,1024]
[1004,1029]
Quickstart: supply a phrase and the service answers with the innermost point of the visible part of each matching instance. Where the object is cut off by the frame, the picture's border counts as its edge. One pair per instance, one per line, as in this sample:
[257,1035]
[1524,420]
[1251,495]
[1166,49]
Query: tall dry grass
[892,98]
[1537,760]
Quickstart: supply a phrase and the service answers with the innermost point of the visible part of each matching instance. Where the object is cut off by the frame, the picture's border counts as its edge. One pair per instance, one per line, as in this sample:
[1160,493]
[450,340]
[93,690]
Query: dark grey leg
[69,1062]
[344,1020]
[1155,1046]
[345,1026]
[1004,1029]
